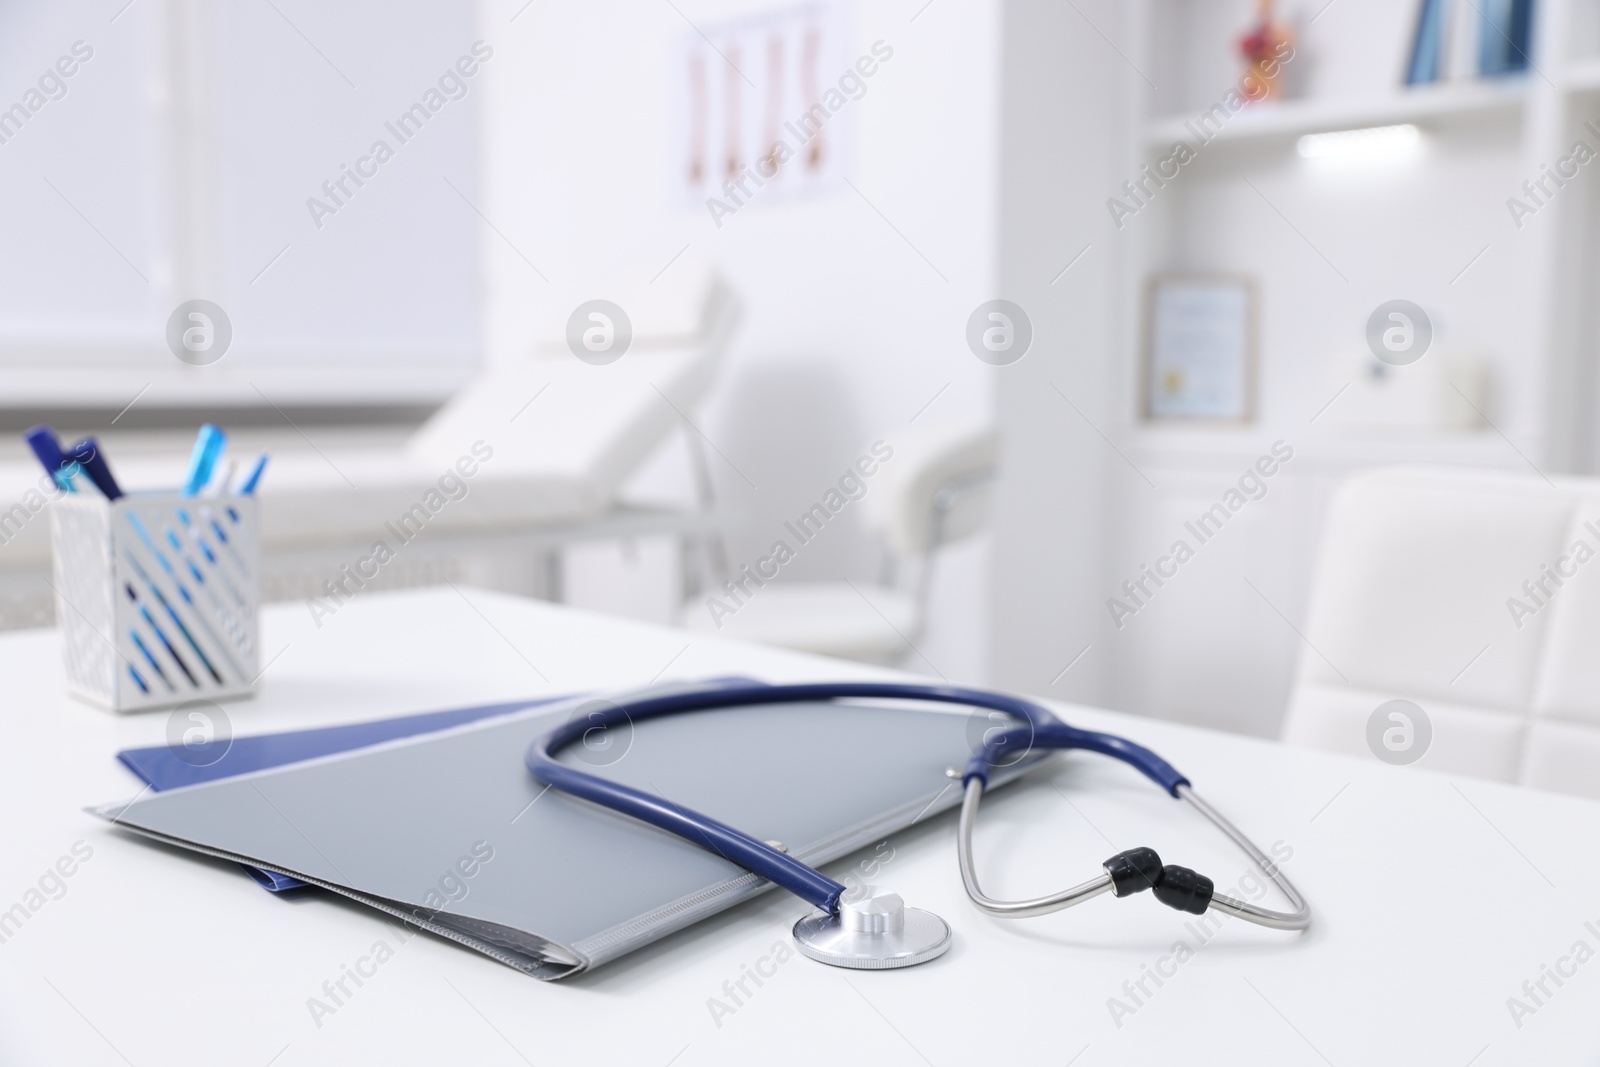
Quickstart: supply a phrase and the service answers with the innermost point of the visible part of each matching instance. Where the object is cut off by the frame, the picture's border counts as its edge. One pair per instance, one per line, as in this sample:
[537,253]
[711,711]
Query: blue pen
[250,480]
[177,545]
[182,629]
[87,453]
[61,467]
[203,460]
[166,565]
[149,657]
[165,643]
[221,575]
[155,590]
[195,532]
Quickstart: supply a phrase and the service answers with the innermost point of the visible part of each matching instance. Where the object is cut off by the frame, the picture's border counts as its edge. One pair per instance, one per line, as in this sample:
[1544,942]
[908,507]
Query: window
[216,151]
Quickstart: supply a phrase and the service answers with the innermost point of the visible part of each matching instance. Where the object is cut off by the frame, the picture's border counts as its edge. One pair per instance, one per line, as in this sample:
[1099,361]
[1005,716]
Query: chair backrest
[599,423]
[1476,596]
[694,306]
[937,487]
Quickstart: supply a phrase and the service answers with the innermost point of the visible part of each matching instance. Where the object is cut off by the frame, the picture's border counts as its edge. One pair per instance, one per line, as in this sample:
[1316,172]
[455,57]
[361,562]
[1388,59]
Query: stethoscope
[868,927]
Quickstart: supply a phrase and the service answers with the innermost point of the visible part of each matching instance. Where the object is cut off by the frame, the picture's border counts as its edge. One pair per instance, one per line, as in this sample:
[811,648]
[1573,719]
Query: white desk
[1435,899]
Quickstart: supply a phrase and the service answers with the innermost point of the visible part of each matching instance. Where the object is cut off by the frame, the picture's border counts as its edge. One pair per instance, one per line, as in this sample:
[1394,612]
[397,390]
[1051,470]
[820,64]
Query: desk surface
[1435,899]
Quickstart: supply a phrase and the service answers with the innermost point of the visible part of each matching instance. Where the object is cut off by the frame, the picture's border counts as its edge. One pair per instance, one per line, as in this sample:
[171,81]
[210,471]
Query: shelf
[1326,451]
[1293,118]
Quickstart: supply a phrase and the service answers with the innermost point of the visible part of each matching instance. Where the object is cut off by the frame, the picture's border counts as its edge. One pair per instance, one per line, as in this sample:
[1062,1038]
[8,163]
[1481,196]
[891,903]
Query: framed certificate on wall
[1199,359]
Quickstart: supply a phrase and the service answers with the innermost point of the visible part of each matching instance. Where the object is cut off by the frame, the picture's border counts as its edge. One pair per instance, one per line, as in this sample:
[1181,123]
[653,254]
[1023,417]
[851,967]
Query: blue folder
[161,768]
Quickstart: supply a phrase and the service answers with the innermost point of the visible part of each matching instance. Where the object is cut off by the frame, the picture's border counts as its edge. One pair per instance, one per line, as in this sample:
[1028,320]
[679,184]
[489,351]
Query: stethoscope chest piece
[873,931]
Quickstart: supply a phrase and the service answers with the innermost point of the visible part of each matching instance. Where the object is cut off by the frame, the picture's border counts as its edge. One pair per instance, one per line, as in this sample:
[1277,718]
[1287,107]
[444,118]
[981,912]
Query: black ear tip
[1133,871]
[1185,890]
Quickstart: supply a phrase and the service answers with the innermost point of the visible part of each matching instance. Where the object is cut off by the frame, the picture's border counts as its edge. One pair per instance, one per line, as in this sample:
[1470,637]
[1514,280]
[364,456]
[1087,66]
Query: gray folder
[450,832]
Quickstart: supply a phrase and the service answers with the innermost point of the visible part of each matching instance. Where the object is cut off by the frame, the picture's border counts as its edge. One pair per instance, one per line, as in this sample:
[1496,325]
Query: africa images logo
[199,332]
[999,332]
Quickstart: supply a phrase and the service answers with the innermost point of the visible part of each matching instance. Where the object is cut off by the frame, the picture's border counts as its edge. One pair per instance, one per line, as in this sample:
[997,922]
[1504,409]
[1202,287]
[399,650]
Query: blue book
[1505,35]
[1427,45]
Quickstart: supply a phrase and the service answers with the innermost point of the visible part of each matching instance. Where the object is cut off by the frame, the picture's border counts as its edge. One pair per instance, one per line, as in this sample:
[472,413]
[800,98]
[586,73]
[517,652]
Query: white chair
[935,490]
[1467,593]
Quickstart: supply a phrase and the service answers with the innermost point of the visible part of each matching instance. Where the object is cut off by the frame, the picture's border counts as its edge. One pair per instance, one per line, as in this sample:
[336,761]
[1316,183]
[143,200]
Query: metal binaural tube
[1298,919]
[1011,909]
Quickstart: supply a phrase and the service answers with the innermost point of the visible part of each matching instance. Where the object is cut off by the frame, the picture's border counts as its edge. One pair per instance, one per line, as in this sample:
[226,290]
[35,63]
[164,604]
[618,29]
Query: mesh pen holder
[157,597]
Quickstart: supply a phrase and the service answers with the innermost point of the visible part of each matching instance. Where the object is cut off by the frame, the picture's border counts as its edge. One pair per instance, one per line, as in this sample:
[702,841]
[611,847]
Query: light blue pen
[208,446]
[149,657]
[248,486]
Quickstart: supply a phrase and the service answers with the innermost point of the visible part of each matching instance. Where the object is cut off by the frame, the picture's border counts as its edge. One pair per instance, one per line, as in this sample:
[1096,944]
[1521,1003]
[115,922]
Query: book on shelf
[1427,44]
[1458,39]
[1504,36]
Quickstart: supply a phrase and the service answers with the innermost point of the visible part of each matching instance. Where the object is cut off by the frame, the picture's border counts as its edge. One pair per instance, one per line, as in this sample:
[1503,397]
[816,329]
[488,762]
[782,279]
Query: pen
[178,622]
[250,480]
[177,546]
[188,598]
[61,467]
[196,532]
[248,486]
[160,633]
[219,485]
[208,447]
[87,454]
[200,578]
[149,657]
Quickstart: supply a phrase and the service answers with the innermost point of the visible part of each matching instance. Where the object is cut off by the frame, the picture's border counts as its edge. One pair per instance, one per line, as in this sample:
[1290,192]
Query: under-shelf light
[1375,141]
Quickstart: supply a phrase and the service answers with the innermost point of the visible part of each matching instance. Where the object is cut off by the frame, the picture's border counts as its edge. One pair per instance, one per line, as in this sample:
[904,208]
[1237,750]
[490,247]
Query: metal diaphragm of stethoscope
[871,928]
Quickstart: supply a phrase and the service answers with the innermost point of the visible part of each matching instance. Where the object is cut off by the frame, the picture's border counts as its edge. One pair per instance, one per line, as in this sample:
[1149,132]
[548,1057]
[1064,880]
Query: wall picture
[1200,348]
[762,116]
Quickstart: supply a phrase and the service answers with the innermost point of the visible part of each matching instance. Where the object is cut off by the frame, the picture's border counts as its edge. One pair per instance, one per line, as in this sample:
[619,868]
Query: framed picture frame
[1199,358]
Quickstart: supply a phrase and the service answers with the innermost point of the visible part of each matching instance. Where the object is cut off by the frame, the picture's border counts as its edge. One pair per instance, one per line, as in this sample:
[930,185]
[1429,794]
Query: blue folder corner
[161,767]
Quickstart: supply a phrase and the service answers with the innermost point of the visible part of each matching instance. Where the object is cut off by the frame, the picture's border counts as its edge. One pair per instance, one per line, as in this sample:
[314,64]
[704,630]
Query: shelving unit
[1533,326]
[1328,241]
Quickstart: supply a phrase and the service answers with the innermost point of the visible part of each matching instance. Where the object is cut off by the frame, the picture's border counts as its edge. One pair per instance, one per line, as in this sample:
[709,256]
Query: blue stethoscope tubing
[1039,730]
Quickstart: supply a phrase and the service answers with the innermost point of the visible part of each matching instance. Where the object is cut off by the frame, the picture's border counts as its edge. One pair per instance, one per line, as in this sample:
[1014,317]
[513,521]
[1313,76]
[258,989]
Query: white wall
[849,331]
[1061,122]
